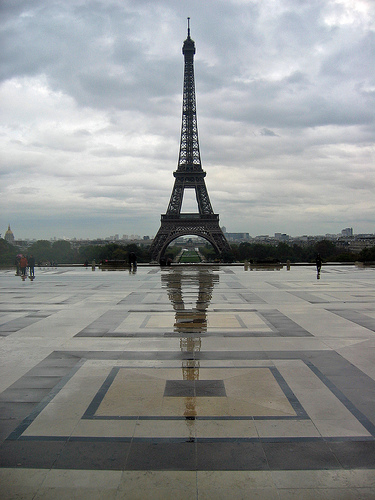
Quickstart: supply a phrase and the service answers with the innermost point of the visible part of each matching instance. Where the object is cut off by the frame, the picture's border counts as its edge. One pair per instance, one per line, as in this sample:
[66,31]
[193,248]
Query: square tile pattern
[186,369]
[195,388]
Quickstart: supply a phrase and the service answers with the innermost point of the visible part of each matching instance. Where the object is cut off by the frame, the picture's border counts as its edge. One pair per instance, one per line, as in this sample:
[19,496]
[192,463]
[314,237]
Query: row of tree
[258,252]
[62,252]
[294,253]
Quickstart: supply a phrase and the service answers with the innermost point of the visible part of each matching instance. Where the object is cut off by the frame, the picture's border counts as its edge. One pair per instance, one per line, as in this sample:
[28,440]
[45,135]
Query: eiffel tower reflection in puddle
[190,292]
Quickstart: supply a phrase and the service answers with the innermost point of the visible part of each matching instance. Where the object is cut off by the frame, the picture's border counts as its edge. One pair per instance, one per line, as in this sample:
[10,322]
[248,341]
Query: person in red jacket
[23,265]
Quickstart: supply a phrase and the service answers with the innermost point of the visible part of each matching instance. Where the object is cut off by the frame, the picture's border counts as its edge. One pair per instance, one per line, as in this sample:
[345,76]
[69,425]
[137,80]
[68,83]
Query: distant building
[330,236]
[237,236]
[360,242]
[282,237]
[9,236]
[348,231]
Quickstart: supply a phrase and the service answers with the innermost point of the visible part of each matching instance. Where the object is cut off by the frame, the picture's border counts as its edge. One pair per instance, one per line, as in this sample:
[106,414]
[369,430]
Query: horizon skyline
[91,99]
[130,235]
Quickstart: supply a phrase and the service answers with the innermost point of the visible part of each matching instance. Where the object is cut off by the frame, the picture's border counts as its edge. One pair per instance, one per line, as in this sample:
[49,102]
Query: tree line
[63,252]
[261,252]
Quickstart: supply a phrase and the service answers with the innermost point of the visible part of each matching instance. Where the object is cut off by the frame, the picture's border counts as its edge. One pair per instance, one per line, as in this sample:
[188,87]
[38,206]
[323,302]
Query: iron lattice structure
[189,175]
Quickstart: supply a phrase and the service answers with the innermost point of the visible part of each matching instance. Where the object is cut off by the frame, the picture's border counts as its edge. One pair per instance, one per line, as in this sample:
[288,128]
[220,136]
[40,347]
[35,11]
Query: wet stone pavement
[188,382]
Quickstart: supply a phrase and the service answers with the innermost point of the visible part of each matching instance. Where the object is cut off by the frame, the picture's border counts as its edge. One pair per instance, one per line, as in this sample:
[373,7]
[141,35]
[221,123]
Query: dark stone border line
[104,325]
[132,439]
[251,298]
[100,395]
[16,434]
[355,317]
[17,324]
[133,298]
[289,394]
[235,285]
[20,399]
[328,453]
[75,299]
[188,455]
[216,419]
[280,325]
[231,310]
[279,286]
[309,297]
[283,325]
[369,426]
[333,366]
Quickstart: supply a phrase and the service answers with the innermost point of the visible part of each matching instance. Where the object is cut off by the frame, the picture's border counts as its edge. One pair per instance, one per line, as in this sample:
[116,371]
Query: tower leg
[170,230]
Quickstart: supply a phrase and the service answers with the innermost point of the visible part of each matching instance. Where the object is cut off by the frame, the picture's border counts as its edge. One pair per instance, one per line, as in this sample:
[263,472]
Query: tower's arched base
[173,227]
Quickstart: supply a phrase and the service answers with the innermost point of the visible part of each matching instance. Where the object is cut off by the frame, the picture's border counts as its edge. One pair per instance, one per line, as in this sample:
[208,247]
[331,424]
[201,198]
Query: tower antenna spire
[188,19]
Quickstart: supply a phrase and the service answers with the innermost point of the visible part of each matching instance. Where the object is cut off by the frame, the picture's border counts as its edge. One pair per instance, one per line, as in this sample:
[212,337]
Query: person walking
[132,261]
[31,265]
[318,262]
[23,265]
[17,263]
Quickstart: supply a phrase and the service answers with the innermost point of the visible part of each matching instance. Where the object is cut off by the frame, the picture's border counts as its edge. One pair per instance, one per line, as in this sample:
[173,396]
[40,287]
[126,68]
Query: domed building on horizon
[9,236]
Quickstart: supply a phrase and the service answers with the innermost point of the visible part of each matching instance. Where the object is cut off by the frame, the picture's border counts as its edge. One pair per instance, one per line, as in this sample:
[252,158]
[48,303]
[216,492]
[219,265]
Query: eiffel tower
[189,175]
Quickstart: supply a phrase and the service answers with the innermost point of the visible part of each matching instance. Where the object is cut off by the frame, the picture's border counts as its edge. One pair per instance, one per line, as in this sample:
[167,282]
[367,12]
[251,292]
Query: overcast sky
[90,118]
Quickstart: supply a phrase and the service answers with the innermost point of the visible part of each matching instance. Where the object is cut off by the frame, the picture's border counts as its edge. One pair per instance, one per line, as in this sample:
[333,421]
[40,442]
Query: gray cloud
[268,132]
[91,96]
